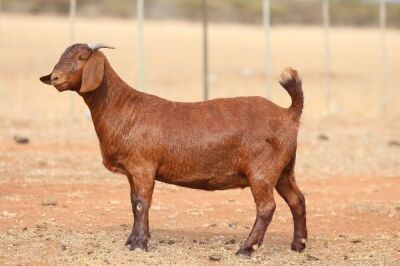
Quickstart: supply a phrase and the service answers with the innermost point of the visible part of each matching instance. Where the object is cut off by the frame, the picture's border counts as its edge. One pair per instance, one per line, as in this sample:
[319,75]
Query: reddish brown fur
[211,145]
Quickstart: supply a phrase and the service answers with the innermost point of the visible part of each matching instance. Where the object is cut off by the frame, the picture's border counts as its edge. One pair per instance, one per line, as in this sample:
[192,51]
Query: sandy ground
[351,182]
[58,205]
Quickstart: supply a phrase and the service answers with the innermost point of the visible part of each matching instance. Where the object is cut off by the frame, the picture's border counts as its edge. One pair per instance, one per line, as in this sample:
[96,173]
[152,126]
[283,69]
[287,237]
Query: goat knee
[265,211]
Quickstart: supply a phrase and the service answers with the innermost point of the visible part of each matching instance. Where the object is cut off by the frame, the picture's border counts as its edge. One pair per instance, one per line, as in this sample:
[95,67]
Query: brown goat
[212,145]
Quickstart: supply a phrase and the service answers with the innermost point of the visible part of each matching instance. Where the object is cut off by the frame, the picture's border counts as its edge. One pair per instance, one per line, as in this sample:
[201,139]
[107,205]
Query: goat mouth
[61,86]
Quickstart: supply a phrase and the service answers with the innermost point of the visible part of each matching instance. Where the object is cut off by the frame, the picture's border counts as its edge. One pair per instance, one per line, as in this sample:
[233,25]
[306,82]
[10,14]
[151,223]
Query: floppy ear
[46,79]
[93,72]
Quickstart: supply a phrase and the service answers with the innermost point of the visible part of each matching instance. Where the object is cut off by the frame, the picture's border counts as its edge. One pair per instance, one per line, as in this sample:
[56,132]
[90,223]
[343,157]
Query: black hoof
[298,246]
[136,243]
[244,252]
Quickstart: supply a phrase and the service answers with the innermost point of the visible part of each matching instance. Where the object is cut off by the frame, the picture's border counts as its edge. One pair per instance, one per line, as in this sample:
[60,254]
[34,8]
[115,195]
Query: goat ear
[93,72]
[46,79]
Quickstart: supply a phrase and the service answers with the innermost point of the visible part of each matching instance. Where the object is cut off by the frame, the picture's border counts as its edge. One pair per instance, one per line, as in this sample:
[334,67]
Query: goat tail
[291,82]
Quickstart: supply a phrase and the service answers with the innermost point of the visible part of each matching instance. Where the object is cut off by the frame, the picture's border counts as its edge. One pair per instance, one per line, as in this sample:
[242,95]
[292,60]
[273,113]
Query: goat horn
[95,46]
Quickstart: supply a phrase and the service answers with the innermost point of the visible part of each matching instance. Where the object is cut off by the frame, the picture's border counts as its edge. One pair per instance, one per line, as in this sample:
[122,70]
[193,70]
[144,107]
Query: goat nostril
[54,77]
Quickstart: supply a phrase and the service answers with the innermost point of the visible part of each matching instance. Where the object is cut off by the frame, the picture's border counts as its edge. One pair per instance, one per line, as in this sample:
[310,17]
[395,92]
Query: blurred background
[58,205]
[346,51]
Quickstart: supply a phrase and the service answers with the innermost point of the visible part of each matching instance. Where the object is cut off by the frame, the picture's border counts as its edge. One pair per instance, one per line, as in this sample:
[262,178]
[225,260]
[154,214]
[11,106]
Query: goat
[211,145]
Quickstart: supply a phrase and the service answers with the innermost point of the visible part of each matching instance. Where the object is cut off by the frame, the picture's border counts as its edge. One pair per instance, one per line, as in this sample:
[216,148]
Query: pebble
[41,226]
[311,257]
[230,241]
[171,242]
[232,225]
[394,143]
[214,258]
[8,214]
[323,137]
[49,202]
[21,139]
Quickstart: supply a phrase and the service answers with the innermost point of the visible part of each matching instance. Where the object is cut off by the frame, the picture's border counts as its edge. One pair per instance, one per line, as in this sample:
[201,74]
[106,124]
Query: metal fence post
[327,41]
[72,13]
[268,59]
[140,43]
[1,42]
[384,66]
[205,50]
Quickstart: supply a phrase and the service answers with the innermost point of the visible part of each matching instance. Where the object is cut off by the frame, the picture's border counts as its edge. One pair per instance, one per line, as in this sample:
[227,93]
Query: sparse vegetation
[349,12]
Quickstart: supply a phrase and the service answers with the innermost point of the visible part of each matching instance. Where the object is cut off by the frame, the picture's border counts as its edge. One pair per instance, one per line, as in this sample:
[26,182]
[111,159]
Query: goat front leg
[141,195]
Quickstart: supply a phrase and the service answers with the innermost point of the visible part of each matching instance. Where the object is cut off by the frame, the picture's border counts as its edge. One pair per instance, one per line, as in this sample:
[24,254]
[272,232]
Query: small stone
[311,257]
[162,241]
[8,214]
[21,139]
[194,241]
[232,225]
[214,258]
[49,202]
[63,246]
[212,225]
[90,252]
[95,245]
[25,228]
[201,242]
[354,241]
[346,257]
[230,241]
[394,143]
[171,242]
[41,226]
[323,137]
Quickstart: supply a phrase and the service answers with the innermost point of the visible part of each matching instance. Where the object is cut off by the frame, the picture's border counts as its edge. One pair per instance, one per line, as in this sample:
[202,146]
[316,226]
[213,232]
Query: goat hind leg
[264,199]
[287,188]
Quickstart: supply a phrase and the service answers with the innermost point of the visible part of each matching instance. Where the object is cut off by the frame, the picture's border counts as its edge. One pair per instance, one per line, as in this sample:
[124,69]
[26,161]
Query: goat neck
[110,95]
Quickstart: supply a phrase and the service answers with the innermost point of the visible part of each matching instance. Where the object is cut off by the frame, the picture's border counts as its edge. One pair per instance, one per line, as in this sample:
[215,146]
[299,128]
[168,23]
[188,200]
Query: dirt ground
[352,193]
[59,205]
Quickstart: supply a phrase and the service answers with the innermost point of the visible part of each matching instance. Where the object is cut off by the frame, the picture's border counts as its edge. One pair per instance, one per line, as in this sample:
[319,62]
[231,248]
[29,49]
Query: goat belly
[213,183]
[201,176]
